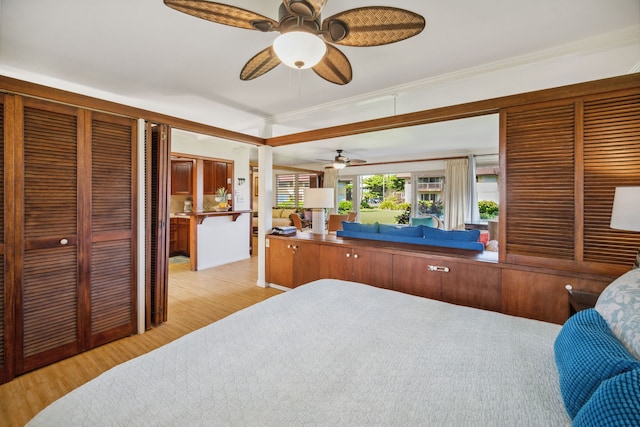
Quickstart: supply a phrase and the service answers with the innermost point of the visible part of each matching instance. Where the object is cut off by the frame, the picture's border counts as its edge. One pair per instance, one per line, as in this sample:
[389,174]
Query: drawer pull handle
[348,255]
[64,241]
[438,268]
[355,256]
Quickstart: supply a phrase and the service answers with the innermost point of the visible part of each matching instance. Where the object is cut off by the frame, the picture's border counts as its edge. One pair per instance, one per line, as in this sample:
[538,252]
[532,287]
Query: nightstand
[580,300]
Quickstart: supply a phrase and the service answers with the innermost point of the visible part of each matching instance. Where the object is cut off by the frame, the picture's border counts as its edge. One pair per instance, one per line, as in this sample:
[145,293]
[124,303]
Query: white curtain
[331,181]
[472,212]
[455,193]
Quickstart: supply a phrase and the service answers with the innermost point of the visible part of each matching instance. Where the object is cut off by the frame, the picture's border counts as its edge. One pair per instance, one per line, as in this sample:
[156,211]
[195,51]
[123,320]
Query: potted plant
[222,199]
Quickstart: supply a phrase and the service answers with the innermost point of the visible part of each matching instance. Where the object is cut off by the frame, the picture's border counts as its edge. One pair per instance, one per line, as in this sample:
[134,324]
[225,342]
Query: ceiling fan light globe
[339,165]
[299,49]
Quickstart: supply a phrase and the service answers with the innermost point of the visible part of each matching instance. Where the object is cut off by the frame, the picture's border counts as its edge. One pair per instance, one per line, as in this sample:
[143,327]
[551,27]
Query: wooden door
[412,275]
[335,263]
[473,285]
[305,262]
[280,260]
[537,296]
[113,270]
[372,267]
[47,223]
[157,175]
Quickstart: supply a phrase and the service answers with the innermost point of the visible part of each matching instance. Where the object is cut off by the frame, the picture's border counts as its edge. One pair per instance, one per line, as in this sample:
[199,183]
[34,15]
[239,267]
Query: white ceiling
[145,54]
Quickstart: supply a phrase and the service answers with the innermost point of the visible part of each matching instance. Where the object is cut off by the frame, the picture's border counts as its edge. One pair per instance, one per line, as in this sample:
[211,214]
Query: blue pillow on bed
[587,353]
[615,403]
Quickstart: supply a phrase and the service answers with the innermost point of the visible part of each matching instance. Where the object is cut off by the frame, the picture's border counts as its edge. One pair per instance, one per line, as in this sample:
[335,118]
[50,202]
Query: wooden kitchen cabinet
[291,263]
[216,174]
[357,265]
[179,236]
[182,177]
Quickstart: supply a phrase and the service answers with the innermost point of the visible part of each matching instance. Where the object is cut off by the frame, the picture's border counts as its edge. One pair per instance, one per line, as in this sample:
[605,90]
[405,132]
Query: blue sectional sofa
[417,235]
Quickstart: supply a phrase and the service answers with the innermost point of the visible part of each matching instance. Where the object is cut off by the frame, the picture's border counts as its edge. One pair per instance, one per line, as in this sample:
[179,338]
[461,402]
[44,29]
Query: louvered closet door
[3,360]
[158,171]
[540,158]
[113,266]
[47,219]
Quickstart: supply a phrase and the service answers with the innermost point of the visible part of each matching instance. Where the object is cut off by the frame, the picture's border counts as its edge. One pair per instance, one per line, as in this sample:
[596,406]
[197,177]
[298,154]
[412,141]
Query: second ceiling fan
[341,161]
[306,41]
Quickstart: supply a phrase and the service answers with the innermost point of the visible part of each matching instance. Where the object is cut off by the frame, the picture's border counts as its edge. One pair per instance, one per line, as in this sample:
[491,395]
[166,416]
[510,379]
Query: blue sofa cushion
[464,235]
[455,244]
[587,353]
[615,403]
[398,230]
[359,227]
[429,221]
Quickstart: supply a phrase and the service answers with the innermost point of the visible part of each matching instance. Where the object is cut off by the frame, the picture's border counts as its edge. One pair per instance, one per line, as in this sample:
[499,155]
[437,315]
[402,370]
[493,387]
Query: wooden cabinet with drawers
[467,278]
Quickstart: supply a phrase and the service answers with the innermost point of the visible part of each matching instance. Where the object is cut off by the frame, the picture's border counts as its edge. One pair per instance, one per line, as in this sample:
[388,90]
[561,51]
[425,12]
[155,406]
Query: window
[289,189]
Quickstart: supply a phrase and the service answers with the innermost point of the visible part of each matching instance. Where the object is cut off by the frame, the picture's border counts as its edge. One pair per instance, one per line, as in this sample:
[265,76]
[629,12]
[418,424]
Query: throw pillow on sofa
[359,227]
[399,230]
[436,233]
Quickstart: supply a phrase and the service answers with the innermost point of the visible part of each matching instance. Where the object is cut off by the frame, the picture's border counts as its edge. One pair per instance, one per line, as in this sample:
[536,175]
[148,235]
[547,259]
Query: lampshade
[318,197]
[299,49]
[626,209]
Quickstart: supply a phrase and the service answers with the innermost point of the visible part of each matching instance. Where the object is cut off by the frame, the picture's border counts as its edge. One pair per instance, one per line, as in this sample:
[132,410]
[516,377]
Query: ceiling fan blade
[334,67]
[263,62]
[372,26]
[223,14]
[307,9]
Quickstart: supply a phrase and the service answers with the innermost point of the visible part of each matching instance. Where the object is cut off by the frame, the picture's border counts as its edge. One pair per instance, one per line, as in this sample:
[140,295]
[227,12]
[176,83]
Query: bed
[335,353]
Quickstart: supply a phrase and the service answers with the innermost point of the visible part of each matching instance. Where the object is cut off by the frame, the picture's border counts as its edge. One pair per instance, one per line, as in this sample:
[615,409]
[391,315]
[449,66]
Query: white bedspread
[334,353]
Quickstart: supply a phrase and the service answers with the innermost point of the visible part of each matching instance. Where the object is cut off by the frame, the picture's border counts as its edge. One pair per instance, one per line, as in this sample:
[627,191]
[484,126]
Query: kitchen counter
[200,216]
[218,240]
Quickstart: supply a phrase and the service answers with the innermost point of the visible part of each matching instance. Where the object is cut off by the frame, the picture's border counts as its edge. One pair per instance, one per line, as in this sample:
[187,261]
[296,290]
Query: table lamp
[318,199]
[625,212]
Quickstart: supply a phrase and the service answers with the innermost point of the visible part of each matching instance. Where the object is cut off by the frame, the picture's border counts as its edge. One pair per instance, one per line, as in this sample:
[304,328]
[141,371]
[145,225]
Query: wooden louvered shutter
[611,159]
[158,173]
[47,232]
[540,182]
[113,225]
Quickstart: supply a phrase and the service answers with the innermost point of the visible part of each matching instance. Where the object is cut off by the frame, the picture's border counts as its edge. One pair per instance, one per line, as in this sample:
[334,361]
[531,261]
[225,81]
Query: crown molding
[624,37]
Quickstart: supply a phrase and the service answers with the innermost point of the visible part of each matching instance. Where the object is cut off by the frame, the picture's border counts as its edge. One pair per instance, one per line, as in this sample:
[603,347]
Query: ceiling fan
[340,161]
[306,41]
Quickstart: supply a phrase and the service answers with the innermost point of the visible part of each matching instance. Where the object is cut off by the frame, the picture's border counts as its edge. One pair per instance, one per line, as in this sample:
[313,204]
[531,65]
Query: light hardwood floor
[196,299]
